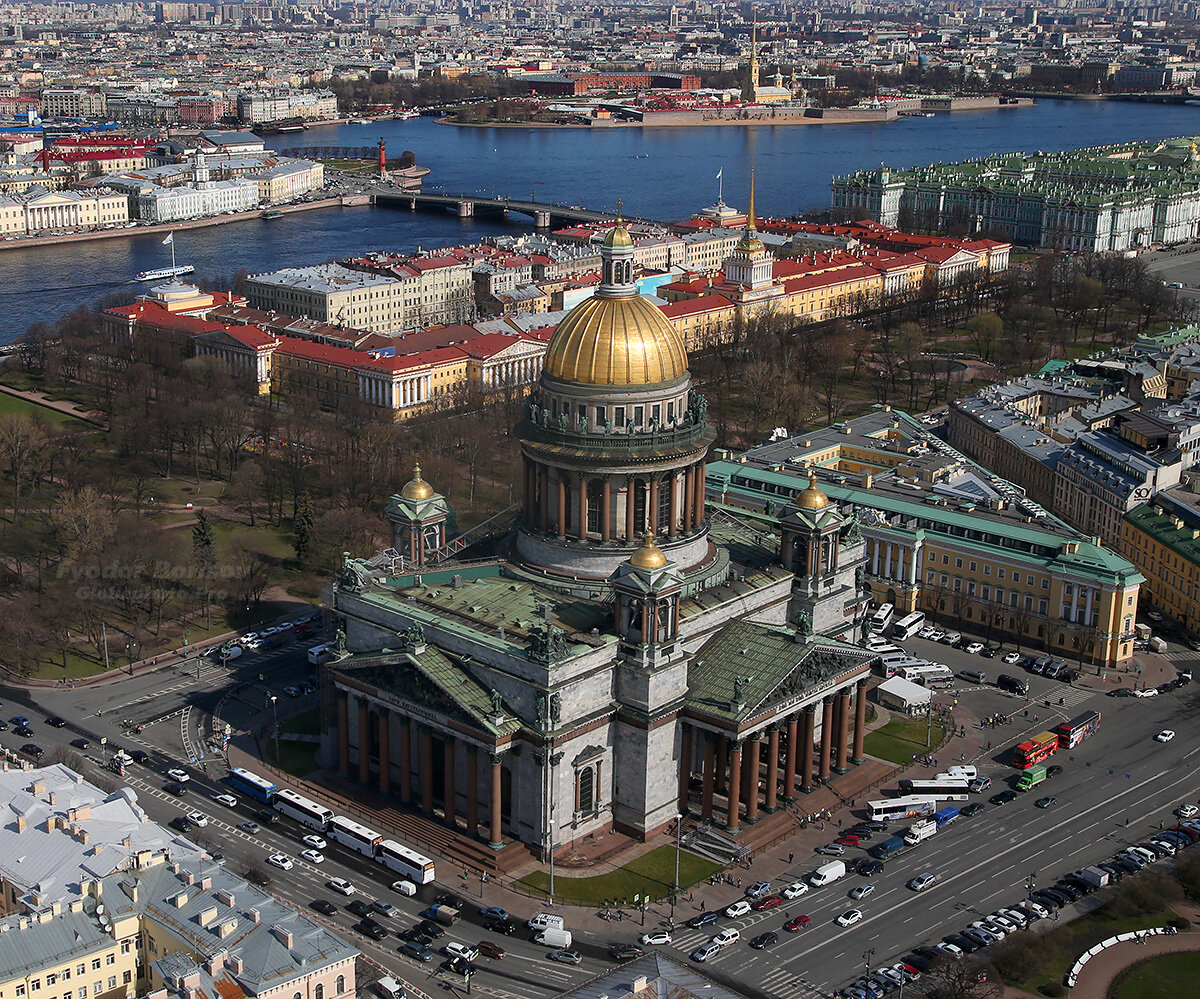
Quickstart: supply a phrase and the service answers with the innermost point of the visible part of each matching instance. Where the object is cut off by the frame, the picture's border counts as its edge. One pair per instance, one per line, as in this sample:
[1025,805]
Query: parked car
[798,888]
[737,909]
[832,849]
[323,906]
[315,841]
[758,889]
[656,938]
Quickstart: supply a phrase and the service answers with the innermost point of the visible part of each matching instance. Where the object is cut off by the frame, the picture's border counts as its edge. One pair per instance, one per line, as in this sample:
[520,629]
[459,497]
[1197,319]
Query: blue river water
[664,173]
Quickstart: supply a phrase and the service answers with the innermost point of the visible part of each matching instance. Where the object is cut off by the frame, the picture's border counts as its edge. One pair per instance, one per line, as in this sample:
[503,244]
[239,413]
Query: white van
[545,921]
[973,676]
[404,887]
[554,937]
[389,988]
[966,772]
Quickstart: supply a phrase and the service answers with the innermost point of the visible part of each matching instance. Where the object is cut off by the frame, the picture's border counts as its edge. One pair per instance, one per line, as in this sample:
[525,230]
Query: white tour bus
[303,810]
[908,807]
[908,625]
[356,837]
[881,620]
[930,675]
[402,860]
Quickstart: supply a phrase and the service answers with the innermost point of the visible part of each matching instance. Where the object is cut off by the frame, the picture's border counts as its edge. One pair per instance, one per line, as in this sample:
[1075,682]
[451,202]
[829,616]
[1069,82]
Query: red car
[848,839]
[797,923]
[768,903]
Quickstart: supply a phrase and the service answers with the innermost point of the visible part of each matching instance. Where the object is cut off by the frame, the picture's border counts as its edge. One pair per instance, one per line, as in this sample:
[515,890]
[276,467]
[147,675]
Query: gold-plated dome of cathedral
[417,488]
[616,341]
[812,498]
[649,556]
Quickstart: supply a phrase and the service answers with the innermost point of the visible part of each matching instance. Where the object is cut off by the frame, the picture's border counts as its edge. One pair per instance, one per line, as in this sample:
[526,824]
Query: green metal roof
[1162,529]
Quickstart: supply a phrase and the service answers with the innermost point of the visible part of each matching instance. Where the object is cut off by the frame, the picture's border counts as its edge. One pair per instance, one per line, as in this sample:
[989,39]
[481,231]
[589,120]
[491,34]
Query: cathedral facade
[635,656]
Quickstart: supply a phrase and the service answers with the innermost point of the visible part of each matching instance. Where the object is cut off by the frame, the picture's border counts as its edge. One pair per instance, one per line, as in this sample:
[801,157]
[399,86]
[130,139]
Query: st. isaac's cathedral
[637,653]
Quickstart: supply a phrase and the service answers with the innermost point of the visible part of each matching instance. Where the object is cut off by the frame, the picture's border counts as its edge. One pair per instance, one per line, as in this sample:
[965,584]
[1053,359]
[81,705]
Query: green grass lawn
[11,405]
[1164,977]
[652,873]
[306,723]
[296,758]
[902,741]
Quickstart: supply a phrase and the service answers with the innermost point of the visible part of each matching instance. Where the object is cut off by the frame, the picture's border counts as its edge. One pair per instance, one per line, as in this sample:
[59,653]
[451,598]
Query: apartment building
[333,293]
[102,902]
[947,537]
[265,106]
[73,103]
[1162,538]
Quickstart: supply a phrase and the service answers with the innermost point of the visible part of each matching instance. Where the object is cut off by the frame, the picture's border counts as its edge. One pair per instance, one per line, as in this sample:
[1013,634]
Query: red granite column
[562,507]
[826,737]
[673,525]
[385,759]
[630,507]
[405,762]
[426,763]
[343,710]
[710,766]
[844,731]
[497,840]
[735,786]
[448,794]
[606,512]
[652,486]
[472,790]
[582,504]
[364,742]
[722,763]
[772,798]
[806,748]
[685,765]
[753,782]
[860,721]
[793,747]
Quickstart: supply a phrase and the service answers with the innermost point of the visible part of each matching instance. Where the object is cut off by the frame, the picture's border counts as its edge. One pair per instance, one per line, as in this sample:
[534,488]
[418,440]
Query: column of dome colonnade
[614,437]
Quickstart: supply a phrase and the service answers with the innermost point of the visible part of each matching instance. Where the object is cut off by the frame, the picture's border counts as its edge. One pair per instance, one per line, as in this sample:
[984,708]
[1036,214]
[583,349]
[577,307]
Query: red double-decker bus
[1072,733]
[1031,753]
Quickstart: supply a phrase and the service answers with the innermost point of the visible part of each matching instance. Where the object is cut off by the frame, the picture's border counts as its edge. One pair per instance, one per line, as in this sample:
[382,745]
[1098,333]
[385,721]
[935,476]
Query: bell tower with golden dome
[419,516]
[614,437]
[824,551]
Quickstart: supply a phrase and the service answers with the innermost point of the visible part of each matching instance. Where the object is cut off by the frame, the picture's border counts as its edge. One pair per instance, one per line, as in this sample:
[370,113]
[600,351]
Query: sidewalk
[67,408]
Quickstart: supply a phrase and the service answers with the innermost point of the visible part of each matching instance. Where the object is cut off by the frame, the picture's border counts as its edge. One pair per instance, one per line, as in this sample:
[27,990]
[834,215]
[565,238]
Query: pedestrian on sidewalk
[989,745]
[791,857]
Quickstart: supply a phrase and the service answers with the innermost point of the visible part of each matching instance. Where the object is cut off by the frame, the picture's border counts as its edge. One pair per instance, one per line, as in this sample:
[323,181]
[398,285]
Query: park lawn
[296,758]
[1165,977]
[902,741]
[305,723]
[651,874]
[11,405]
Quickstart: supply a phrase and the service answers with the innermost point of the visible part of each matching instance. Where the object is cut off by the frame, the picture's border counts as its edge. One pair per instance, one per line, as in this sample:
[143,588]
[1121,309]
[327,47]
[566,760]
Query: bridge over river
[544,215]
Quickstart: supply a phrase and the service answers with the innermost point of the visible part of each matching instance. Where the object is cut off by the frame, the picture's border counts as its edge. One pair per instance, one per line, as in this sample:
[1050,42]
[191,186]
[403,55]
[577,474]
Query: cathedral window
[585,789]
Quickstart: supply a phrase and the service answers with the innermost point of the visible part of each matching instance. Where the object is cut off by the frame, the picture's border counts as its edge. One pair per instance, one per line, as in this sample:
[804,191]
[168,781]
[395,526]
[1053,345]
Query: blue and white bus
[356,837]
[303,810]
[402,860]
[258,788]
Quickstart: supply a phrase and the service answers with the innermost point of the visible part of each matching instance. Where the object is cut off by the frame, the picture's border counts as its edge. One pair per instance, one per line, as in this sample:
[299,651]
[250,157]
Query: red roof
[694,306]
[809,282]
[490,344]
[406,362]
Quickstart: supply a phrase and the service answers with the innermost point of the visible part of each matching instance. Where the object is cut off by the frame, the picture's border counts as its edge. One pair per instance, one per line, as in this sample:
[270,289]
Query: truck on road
[552,936]
[945,816]
[886,848]
[1093,876]
[444,914]
[1031,778]
[918,832]
[828,873]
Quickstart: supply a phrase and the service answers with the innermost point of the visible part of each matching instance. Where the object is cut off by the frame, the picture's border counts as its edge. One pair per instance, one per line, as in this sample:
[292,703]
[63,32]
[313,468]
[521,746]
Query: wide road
[1119,776]
[182,703]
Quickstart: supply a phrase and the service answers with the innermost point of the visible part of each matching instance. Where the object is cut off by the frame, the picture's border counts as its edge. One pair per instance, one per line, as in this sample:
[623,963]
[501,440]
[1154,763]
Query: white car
[178,775]
[656,938]
[1186,811]
[280,861]
[198,818]
[404,887]
[1146,692]
[849,917]
[974,648]
[250,636]
[386,908]
[465,951]
[1166,735]
[950,950]
[795,890]
[253,644]
[927,632]
[315,841]
[739,908]
[862,891]
[922,881]
[726,937]
[1011,657]
[313,856]
[342,886]
[228,800]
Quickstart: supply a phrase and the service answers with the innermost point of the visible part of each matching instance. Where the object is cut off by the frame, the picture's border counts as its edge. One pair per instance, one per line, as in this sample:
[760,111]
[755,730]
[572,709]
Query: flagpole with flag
[170,241]
[720,185]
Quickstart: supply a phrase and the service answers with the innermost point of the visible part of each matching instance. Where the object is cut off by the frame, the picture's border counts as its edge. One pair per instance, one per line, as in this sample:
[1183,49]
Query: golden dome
[417,488]
[749,243]
[649,556]
[616,341]
[618,236]
[812,498]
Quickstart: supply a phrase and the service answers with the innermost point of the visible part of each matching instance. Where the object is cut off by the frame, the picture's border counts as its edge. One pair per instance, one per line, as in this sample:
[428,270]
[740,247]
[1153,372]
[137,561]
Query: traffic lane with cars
[305,882]
[983,862]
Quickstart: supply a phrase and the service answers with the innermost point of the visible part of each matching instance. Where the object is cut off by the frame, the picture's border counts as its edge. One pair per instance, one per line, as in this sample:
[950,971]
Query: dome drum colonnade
[614,439]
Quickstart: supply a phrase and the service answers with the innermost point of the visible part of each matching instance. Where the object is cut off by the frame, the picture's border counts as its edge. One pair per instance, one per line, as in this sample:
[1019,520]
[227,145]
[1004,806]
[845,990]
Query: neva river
[664,173]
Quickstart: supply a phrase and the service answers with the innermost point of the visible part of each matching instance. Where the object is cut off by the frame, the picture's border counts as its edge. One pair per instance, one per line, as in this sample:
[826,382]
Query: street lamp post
[551,822]
[675,885]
